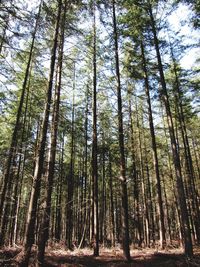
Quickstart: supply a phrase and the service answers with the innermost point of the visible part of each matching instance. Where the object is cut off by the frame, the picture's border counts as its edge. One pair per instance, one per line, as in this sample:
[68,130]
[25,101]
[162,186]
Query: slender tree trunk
[169,219]
[103,196]
[154,149]
[35,193]
[146,224]
[20,172]
[135,176]
[187,154]
[59,195]
[196,157]
[150,201]
[70,188]
[176,159]
[111,202]
[7,181]
[172,180]
[44,227]
[94,142]
[86,202]
[125,224]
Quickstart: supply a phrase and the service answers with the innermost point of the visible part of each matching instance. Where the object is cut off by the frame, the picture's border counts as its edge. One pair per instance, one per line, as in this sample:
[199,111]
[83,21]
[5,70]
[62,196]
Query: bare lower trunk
[155,156]
[174,146]
[35,193]
[188,159]
[94,143]
[124,196]
[111,202]
[44,227]
[7,181]
[70,182]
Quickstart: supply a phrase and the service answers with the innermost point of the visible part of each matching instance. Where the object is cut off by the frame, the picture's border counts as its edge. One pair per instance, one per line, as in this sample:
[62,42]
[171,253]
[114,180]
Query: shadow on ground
[156,260]
[144,258]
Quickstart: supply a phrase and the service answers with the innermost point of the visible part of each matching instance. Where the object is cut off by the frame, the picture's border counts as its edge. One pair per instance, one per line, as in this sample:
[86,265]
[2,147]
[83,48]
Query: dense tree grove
[99,117]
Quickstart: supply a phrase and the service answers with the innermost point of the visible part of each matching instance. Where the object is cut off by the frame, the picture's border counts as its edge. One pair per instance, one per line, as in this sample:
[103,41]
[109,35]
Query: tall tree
[35,193]
[125,224]
[174,145]
[178,96]
[7,185]
[154,148]
[44,227]
[70,181]
[94,141]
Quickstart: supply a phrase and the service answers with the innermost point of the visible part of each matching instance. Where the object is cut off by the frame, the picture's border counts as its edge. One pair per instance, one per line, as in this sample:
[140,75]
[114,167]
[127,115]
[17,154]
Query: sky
[176,21]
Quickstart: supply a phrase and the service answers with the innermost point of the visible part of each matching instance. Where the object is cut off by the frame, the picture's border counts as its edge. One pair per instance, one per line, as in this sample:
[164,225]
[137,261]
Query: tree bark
[59,195]
[176,159]
[35,193]
[155,155]
[7,181]
[124,196]
[135,175]
[94,142]
[111,201]
[70,188]
[44,227]
[187,154]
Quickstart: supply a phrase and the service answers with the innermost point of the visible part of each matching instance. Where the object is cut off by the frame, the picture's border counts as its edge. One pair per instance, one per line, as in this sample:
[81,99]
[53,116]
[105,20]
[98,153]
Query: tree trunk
[59,195]
[7,181]
[35,193]
[174,145]
[70,188]
[44,227]
[111,202]
[187,154]
[125,224]
[20,172]
[146,224]
[103,196]
[154,149]
[135,176]
[94,142]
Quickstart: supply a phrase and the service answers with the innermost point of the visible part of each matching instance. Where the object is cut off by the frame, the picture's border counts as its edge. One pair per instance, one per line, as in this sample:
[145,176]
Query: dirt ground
[58,257]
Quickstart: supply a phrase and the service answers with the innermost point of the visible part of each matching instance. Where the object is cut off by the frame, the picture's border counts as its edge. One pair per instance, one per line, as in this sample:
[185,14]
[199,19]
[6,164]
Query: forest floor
[108,257]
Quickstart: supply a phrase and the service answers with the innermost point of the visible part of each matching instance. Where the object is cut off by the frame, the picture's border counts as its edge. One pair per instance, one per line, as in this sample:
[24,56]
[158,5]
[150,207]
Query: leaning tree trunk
[125,225]
[35,193]
[176,159]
